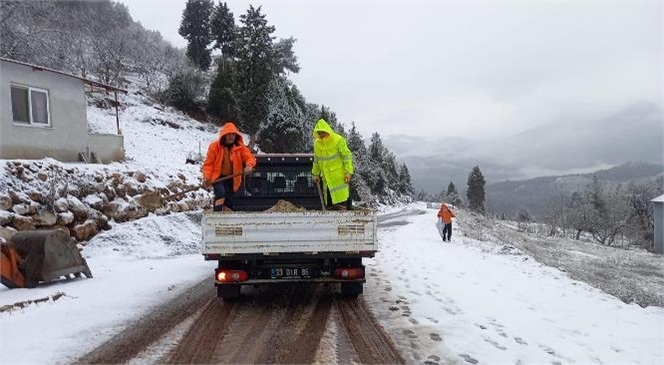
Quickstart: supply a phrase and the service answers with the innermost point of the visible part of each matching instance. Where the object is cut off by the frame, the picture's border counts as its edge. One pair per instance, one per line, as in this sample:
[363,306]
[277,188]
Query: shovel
[172,196]
[320,195]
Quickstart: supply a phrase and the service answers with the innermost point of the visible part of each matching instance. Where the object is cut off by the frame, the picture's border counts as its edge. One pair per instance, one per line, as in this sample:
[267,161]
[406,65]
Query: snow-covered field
[486,302]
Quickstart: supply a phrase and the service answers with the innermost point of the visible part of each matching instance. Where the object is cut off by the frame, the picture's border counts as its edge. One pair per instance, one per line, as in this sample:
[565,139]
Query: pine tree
[283,130]
[475,191]
[452,195]
[223,30]
[221,100]
[195,28]
[405,184]
[254,70]
[377,178]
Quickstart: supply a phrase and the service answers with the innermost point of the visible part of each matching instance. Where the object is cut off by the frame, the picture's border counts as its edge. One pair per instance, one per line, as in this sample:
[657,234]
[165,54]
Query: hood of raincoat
[229,128]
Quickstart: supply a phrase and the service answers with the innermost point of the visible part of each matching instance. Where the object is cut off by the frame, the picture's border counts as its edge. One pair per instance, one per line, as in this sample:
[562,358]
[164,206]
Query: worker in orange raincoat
[227,156]
[446,215]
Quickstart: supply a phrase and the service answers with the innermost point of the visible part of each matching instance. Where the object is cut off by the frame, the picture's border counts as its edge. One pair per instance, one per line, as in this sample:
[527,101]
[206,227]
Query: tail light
[348,273]
[228,276]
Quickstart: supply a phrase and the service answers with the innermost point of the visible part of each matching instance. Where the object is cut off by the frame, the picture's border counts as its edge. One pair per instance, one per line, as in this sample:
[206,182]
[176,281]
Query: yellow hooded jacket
[332,160]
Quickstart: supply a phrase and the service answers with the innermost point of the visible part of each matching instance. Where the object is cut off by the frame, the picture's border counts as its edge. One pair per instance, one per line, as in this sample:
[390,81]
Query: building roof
[659,199]
[89,82]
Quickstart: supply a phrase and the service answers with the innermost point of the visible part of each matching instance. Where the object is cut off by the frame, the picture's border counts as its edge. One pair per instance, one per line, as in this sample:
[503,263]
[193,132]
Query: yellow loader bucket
[48,255]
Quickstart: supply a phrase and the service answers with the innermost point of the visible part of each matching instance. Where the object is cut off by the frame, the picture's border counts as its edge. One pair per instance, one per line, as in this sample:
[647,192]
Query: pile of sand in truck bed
[285,206]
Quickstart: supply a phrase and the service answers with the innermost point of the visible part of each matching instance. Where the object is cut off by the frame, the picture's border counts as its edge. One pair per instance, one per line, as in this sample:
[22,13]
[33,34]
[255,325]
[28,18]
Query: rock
[7,233]
[42,176]
[173,207]
[31,167]
[37,196]
[183,206]
[19,169]
[109,192]
[84,231]
[19,197]
[5,202]
[182,177]
[33,207]
[140,177]
[120,191]
[5,217]
[44,218]
[99,177]
[130,189]
[79,209]
[22,223]
[122,211]
[150,200]
[65,218]
[61,205]
[161,211]
[21,209]
[116,178]
[94,200]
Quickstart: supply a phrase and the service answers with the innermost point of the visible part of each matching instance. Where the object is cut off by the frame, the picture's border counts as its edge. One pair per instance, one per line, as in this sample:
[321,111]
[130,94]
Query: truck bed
[275,233]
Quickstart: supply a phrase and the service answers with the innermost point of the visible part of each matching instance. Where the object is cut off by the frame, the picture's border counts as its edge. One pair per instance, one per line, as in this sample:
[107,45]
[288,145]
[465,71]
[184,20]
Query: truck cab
[257,244]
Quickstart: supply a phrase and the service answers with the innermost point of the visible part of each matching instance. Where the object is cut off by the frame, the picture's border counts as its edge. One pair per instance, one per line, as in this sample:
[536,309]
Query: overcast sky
[460,69]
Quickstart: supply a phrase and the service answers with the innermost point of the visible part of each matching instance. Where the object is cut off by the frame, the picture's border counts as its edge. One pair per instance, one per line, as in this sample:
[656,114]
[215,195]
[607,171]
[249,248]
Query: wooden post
[117,113]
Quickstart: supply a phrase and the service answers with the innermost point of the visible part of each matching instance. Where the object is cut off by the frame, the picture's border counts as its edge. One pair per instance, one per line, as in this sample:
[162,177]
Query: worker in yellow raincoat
[333,162]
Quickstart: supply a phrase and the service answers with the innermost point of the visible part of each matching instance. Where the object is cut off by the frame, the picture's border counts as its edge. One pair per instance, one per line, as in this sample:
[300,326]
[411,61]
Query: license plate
[291,273]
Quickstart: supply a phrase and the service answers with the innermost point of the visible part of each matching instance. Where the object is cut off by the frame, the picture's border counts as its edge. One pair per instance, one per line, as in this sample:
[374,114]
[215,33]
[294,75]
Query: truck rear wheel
[228,292]
[351,290]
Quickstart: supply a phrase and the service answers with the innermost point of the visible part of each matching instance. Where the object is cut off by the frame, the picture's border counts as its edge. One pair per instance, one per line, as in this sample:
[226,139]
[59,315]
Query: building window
[30,106]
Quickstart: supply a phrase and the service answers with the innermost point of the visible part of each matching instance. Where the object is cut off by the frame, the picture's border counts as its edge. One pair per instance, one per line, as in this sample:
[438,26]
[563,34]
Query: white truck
[254,244]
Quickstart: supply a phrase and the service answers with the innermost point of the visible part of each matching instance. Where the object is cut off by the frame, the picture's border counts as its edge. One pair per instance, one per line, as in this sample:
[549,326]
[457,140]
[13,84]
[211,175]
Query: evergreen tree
[221,100]
[376,149]
[283,130]
[475,191]
[376,176]
[452,195]
[285,59]
[405,184]
[195,28]
[223,30]
[254,70]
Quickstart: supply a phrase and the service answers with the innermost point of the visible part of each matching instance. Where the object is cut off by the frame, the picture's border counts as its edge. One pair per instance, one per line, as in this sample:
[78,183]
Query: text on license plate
[290,273]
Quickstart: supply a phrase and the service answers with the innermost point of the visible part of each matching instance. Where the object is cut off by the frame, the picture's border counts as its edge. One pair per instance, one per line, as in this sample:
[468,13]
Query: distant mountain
[535,194]
[633,134]
[561,147]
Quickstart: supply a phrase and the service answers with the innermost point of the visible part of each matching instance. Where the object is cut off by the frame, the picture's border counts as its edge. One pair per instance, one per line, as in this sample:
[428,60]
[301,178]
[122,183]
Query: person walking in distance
[446,215]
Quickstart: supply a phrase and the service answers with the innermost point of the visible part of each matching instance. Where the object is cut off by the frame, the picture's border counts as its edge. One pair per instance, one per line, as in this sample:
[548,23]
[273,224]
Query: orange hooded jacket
[240,156]
[446,214]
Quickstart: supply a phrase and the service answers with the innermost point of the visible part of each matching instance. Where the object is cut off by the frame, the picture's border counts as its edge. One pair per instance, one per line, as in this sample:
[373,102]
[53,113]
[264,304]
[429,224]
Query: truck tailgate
[288,232]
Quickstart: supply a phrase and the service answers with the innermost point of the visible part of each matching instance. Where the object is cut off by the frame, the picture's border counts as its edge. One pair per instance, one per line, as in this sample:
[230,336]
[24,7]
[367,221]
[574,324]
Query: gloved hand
[206,182]
[316,179]
[347,178]
[248,170]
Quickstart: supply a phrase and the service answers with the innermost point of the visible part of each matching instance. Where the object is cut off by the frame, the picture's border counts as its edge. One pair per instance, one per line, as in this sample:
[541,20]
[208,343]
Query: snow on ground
[472,301]
[156,138]
[464,301]
[136,266]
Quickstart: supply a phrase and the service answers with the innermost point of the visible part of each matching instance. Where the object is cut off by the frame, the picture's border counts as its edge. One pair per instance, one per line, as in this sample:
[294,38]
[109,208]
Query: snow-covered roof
[659,199]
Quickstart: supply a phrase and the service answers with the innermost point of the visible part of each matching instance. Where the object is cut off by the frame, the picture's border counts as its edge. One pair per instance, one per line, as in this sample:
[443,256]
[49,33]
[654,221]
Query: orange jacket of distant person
[240,155]
[446,214]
